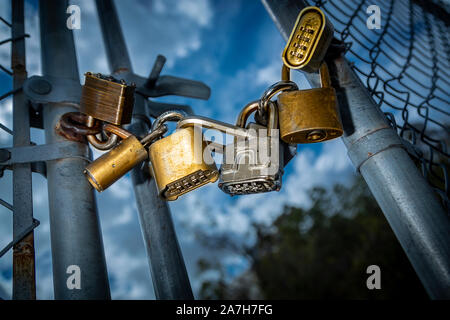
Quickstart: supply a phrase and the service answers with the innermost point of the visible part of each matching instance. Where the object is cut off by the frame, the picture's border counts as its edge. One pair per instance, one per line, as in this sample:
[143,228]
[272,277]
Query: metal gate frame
[408,202]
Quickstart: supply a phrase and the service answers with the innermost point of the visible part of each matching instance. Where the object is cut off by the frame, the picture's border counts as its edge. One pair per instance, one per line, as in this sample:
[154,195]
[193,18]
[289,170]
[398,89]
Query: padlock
[175,166]
[106,98]
[311,115]
[111,166]
[251,169]
[309,40]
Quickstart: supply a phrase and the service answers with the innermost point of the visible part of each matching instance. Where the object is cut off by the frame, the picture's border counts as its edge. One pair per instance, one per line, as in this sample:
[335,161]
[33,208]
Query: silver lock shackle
[208,123]
[252,107]
[220,126]
[172,115]
[277,87]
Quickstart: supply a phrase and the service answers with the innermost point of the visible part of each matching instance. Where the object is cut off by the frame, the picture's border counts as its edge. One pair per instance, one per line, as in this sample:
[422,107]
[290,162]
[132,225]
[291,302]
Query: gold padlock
[111,166]
[309,40]
[312,115]
[106,98]
[175,167]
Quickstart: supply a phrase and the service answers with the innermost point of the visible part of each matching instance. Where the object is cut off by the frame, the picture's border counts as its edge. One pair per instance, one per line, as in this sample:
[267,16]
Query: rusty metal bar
[24,280]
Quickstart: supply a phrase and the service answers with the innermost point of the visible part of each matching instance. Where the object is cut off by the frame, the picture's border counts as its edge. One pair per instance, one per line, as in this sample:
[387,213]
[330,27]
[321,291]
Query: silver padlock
[257,162]
[254,162]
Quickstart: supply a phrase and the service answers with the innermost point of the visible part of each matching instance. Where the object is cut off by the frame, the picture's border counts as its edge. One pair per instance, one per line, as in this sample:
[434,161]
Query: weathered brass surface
[111,166]
[312,115]
[174,167]
[309,40]
[107,99]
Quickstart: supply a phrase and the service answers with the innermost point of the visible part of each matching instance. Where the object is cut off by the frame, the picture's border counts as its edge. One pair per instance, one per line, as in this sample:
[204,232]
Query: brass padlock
[111,166]
[311,115]
[174,165]
[309,40]
[106,98]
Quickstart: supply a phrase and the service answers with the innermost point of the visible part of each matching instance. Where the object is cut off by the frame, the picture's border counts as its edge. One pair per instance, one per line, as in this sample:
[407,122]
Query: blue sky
[234,47]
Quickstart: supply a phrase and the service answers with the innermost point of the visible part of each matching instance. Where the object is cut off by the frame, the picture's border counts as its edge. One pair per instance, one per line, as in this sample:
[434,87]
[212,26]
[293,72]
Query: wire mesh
[405,65]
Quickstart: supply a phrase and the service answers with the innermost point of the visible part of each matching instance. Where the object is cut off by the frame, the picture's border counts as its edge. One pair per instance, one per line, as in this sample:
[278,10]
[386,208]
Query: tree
[322,253]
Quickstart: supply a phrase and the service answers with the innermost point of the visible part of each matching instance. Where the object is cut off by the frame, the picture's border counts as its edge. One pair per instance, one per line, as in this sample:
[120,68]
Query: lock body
[312,115]
[175,166]
[309,40]
[106,99]
[252,169]
[308,116]
[112,165]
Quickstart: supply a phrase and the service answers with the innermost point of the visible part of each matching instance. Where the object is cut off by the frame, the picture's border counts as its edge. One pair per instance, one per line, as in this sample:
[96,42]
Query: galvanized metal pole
[75,229]
[408,202]
[170,279]
[24,282]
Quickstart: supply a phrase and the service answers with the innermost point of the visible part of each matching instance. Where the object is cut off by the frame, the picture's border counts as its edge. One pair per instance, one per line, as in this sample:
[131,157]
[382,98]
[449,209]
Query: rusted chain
[72,126]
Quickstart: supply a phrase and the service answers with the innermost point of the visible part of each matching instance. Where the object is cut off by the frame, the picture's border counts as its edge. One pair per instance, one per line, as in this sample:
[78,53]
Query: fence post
[24,282]
[408,202]
[74,226]
[169,275]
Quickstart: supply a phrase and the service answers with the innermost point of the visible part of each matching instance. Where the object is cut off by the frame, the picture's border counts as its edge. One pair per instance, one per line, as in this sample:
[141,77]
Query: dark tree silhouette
[320,253]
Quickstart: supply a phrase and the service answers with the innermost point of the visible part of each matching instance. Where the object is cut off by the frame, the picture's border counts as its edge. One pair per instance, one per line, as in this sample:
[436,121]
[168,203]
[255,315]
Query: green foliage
[323,252]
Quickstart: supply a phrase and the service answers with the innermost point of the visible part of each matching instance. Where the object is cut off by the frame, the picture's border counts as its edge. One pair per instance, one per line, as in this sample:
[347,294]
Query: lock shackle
[103,145]
[97,143]
[277,87]
[324,74]
[171,115]
[252,107]
[208,123]
[118,131]
[246,112]
[154,135]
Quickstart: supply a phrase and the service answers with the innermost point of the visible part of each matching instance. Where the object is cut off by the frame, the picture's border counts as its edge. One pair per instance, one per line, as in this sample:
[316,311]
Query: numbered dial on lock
[309,40]
[106,98]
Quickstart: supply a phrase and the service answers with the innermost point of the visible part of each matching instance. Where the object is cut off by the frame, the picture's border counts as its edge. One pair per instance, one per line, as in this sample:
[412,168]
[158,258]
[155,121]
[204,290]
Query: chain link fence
[405,65]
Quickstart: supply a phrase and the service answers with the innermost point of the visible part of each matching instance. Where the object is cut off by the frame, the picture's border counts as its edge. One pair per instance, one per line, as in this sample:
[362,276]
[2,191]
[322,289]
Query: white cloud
[269,74]
[121,189]
[6,120]
[176,39]
[199,11]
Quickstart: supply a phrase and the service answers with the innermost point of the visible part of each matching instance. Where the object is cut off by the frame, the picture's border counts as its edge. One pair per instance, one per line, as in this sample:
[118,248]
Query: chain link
[405,67]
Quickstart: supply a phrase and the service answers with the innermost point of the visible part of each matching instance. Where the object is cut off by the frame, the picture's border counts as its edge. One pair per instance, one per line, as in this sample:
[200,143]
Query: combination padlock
[174,164]
[256,163]
[306,116]
[107,99]
[130,152]
[309,40]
